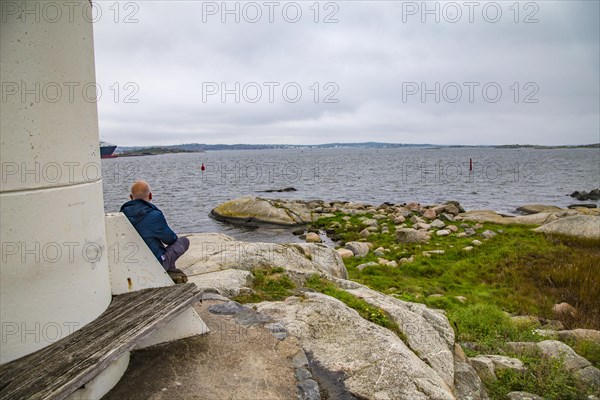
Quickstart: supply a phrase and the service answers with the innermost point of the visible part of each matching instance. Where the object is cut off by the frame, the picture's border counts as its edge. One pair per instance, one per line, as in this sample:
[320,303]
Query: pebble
[312,237]
[438,223]
[468,248]
[452,228]
[488,234]
[476,242]
[443,232]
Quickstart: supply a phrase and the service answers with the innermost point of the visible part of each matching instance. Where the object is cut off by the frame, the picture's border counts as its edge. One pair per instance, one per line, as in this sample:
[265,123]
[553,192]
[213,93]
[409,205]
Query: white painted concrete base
[102,383]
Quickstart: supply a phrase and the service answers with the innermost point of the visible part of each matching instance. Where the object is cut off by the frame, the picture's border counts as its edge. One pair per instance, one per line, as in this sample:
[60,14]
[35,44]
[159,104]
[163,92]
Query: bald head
[140,190]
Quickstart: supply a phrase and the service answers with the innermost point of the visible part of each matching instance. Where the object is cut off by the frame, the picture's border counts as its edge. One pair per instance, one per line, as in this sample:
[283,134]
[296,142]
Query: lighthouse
[57,273]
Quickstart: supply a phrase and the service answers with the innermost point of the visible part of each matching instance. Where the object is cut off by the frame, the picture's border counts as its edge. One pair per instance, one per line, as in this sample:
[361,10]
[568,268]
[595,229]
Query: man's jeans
[173,252]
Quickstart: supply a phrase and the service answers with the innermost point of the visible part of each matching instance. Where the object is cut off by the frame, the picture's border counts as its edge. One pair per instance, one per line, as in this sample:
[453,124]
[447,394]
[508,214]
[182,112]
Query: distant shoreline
[129,151]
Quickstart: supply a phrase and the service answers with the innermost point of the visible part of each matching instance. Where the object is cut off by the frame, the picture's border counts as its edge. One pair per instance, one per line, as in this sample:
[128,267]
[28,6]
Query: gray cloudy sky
[483,73]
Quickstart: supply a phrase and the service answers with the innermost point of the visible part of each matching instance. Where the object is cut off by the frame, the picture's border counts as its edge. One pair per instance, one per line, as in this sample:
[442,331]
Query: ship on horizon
[107,149]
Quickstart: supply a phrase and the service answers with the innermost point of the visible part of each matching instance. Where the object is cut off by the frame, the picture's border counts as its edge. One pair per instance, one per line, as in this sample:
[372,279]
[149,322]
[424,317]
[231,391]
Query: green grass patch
[268,284]
[543,376]
[518,272]
[489,327]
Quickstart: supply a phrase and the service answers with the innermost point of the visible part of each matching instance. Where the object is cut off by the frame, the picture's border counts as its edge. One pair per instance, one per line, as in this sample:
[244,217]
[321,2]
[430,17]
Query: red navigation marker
[202,168]
[470,164]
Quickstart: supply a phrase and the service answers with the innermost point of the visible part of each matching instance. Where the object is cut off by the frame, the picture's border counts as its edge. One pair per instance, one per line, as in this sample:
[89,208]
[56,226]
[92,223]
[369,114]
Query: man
[150,223]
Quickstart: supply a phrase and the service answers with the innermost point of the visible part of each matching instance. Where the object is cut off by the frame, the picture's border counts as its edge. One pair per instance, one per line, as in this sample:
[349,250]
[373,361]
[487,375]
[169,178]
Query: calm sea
[501,179]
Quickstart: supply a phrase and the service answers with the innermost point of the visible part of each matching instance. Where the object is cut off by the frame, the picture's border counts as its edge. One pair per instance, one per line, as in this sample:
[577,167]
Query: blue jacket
[150,223]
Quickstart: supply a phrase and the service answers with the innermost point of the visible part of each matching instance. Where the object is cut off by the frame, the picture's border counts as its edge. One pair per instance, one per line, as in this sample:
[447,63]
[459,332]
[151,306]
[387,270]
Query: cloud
[377,74]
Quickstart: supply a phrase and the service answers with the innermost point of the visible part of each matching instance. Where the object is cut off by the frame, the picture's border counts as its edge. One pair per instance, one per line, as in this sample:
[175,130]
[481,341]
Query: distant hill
[197,147]
[536,146]
[206,147]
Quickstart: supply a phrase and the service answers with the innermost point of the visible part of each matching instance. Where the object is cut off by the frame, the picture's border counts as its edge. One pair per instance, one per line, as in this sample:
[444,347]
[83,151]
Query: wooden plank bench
[61,368]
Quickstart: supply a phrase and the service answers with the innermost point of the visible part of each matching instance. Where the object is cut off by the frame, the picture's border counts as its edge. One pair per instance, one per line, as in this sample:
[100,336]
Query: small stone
[302,374]
[478,226]
[300,359]
[364,233]
[438,223]
[370,222]
[392,263]
[345,253]
[359,249]
[443,232]
[415,220]
[399,219]
[452,228]
[564,310]
[365,265]
[409,235]
[429,253]
[405,260]
[309,390]
[382,261]
[412,206]
[429,214]
[422,226]
[379,253]
[476,242]
[446,217]
[470,231]
[462,299]
[468,248]
[312,237]
[461,235]
[488,234]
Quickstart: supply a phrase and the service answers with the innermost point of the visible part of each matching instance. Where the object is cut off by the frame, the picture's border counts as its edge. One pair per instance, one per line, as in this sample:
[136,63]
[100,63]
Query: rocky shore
[258,211]
[332,338]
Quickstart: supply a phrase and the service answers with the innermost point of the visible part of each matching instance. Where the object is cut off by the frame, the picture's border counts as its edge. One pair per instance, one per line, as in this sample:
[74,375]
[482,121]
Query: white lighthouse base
[133,267]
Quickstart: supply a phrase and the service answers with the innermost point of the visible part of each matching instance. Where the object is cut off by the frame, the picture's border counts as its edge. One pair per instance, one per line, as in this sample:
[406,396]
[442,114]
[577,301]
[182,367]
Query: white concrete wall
[54,274]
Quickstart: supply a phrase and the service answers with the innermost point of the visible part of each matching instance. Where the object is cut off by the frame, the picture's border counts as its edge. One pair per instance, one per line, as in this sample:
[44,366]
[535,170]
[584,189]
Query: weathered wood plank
[56,371]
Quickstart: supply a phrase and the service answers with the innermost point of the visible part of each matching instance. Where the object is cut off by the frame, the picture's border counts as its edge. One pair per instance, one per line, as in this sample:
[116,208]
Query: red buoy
[202,168]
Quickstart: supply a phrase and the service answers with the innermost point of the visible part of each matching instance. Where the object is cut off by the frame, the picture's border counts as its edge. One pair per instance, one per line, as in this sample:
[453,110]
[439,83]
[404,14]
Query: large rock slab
[228,282]
[585,226]
[488,365]
[467,383]
[533,219]
[251,210]
[368,360]
[210,252]
[579,335]
[427,331]
[554,349]
[538,208]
